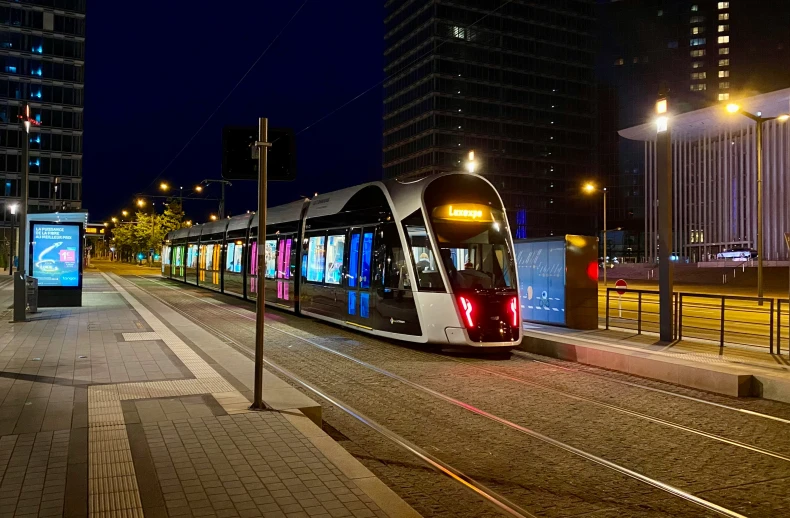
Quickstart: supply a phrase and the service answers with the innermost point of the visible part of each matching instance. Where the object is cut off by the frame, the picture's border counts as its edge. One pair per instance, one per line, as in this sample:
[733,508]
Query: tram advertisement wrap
[56,254]
[541,275]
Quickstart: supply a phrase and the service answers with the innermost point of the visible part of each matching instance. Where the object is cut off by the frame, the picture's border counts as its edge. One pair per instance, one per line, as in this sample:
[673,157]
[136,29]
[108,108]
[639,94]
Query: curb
[728,380]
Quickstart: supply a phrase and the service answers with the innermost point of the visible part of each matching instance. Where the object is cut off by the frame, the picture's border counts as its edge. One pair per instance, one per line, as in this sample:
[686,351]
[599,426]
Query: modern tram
[428,261]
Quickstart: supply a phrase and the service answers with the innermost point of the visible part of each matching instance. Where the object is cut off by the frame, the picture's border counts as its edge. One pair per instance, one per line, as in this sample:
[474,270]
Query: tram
[428,261]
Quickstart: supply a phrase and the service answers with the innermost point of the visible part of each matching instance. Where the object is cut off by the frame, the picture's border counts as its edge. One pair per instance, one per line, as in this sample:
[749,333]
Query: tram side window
[367,253]
[391,260]
[192,256]
[335,247]
[233,258]
[316,257]
[429,278]
[270,254]
[283,256]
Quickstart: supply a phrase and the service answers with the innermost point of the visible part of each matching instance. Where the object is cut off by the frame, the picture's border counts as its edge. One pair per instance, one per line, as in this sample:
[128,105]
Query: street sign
[240,155]
[621,286]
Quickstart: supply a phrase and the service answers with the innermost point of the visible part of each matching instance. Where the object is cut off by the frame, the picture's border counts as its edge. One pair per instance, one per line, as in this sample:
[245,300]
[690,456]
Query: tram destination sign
[240,156]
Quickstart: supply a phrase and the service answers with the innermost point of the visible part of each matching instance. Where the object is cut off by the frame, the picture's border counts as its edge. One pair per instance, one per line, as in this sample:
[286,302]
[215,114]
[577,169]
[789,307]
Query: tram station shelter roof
[714,119]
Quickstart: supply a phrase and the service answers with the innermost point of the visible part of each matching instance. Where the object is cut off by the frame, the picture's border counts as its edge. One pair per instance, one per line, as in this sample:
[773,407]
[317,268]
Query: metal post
[20,289]
[680,316]
[759,137]
[11,248]
[721,333]
[665,267]
[779,326]
[263,149]
[771,328]
[604,236]
[607,307]
[639,315]
[222,200]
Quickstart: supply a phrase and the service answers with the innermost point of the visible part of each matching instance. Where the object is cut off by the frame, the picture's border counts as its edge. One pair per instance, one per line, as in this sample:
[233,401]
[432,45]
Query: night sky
[155,70]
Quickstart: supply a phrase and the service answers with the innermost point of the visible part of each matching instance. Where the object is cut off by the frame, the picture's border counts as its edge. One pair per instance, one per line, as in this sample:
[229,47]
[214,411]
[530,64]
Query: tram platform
[731,370]
[122,407]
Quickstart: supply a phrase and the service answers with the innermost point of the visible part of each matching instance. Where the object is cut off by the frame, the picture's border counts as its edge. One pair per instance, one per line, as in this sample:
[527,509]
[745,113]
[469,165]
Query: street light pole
[20,288]
[604,236]
[263,151]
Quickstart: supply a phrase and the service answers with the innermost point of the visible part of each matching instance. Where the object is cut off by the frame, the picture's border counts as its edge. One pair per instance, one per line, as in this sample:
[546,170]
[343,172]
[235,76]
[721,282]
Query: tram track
[512,425]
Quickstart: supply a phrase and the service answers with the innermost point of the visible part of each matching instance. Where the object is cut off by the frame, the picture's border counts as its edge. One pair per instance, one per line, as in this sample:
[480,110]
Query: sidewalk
[739,371]
[110,410]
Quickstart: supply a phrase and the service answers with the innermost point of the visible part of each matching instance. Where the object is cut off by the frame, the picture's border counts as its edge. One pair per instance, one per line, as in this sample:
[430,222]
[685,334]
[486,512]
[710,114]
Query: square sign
[56,253]
[240,156]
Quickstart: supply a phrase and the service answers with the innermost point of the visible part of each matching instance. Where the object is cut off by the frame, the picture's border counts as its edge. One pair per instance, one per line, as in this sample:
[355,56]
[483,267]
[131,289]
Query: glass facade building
[42,52]
[512,82]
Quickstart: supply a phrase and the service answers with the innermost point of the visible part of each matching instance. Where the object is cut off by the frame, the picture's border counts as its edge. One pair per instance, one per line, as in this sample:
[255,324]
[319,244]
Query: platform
[732,371]
[122,408]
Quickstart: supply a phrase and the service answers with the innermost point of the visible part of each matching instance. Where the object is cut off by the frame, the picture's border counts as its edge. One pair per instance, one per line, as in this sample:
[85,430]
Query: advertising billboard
[541,277]
[56,254]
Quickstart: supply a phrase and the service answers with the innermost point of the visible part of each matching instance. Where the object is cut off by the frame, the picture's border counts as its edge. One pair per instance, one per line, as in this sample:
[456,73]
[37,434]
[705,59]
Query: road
[547,438]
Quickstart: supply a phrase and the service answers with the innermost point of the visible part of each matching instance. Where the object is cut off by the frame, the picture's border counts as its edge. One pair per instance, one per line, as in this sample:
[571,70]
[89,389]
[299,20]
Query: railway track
[502,503]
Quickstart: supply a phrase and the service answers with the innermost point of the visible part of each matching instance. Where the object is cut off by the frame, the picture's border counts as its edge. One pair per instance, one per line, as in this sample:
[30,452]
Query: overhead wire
[243,77]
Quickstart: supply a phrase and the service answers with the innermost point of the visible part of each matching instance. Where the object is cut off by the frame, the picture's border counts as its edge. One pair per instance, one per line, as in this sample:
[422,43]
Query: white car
[737,254]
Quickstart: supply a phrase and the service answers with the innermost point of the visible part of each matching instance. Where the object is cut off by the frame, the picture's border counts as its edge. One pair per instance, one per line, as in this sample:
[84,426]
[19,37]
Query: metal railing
[721,319]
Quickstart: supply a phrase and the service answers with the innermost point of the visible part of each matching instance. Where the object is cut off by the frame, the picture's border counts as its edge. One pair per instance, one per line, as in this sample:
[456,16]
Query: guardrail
[722,319]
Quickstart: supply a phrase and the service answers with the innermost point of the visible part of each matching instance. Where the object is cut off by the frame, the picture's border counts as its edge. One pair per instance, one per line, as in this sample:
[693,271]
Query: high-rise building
[42,52]
[511,81]
[705,52]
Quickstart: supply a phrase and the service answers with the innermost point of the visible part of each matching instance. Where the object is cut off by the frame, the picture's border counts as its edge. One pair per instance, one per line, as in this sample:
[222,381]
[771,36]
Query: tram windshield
[472,235]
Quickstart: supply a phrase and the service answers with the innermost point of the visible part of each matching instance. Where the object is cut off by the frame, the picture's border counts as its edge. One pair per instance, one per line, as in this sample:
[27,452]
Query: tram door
[360,258]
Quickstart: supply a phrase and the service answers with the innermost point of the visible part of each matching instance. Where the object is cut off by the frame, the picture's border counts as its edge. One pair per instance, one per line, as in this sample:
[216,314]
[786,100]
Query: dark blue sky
[155,70]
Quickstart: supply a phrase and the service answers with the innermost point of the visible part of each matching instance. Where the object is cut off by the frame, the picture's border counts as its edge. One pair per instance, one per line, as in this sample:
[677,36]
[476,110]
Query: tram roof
[714,119]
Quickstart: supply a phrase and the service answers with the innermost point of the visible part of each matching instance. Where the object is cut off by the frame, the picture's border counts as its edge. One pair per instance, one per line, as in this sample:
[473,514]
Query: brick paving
[541,479]
[104,411]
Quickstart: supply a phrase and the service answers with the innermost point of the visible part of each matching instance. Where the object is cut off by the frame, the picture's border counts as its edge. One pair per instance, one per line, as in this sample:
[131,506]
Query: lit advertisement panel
[541,277]
[57,252]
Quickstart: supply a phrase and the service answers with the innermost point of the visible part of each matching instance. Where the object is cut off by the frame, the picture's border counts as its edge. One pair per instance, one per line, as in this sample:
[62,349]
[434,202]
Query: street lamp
[759,120]
[590,188]
[164,186]
[213,217]
[471,164]
[141,202]
[199,188]
[114,219]
[124,213]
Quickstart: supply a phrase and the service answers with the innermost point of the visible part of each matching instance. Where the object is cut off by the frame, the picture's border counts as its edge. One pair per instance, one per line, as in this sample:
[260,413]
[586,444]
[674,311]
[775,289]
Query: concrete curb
[384,497]
[728,380]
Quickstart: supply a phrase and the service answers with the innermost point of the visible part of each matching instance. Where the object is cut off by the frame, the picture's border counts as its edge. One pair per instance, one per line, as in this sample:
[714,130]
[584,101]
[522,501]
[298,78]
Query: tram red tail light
[513,307]
[467,311]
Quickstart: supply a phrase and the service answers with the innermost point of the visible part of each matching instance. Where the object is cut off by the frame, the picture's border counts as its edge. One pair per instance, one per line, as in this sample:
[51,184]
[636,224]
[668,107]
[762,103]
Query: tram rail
[471,408]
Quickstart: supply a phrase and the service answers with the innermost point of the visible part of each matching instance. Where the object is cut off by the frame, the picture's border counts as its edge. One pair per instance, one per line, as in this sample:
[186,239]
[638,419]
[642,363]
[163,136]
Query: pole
[222,199]
[11,248]
[759,137]
[665,267]
[604,236]
[263,150]
[19,279]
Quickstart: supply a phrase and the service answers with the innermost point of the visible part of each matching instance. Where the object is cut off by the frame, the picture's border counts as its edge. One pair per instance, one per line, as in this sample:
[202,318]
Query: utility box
[558,280]
[31,291]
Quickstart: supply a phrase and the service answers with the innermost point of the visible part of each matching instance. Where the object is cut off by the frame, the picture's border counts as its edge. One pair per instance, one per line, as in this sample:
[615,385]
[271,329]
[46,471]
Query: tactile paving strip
[112,489]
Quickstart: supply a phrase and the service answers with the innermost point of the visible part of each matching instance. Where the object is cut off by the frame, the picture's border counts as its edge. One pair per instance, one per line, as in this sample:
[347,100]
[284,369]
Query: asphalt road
[553,438]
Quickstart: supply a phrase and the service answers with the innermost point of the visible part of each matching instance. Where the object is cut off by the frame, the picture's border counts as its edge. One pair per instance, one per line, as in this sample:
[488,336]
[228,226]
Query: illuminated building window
[724,16]
[697,30]
[724,39]
[724,62]
[697,53]
[698,75]
[724,50]
[459,32]
[724,73]
[695,42]
[697,19]
[724,5]
[724,85]
[724,97]
[695,7]
[698,87]
[618,61]
[660,12]
[724,28]
[697,64]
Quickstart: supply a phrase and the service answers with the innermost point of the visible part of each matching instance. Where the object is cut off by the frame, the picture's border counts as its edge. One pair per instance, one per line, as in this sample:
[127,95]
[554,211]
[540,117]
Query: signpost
[622,287]
[787,242]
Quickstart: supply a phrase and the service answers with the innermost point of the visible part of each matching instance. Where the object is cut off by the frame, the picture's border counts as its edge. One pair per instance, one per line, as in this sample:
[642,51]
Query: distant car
[737,254]
[609,263]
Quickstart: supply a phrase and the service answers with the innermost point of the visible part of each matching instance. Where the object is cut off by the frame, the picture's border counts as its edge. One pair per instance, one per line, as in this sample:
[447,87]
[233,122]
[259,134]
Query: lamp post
[222,182]
[12,208]
[590,188]
[20,288]
[759,121]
